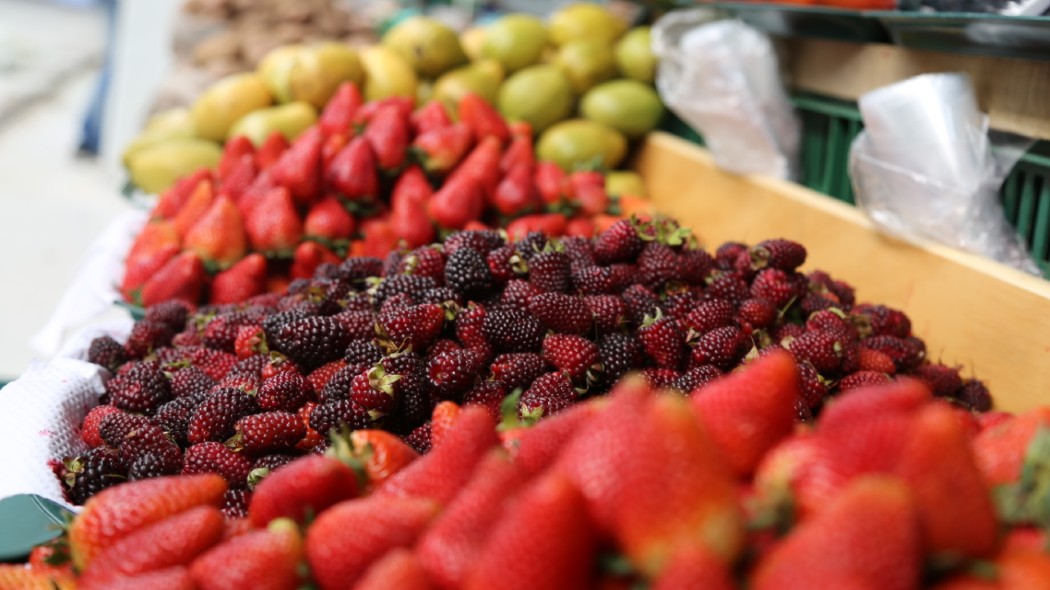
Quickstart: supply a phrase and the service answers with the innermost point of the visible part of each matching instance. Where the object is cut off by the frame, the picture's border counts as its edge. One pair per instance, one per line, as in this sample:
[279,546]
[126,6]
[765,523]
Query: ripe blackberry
[171,313]
[189,381]
[92,472]
[663,340]
[115,426]
[861,379]
[441,296]
[824,350]
[147,466]
[695,378]
[533,243]
[943,381]
[215,457]
[879,320]
[412,285]
[147,336]
[481,241]
[593,280]
[275,321]
[757,313]
[609,312]
[549,394]
[975,396]
[694,265]
[174,416]
[467,272]
[419,438]
[549,271]
[505,263]
[487,394]
[470,326]
[905,352]
[728,286]
[775,285]
[658,265]
[513,330]
[356,269]
[575,355]
[107,353]
[778,253]
[89,429]
[620,243]
[214,418]
[727,254]
[452,373]
[660,378]
[358,324]
[312,342]
[812,386]
[221,333]
[518,293]
[272,461]
[640,302]
[251,365]
[284,391]
[152,440]
[425,261]
[619,354]
[235,503]
[141,389]
[579,251]
[566,314]
[335,415]
[268,432]
[722,347]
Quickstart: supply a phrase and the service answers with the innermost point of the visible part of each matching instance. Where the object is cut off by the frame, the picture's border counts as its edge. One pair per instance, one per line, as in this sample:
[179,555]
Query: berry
[619,243]
[419,438]
[414,327]
[235,503]
[518,293]
[89,429]
[778,253]
[335,415]
[974,395]
[215,457]
[487,394]
[141,389]
[619,353]
[812,387]
[710,314]
[549,394]
[658,264]
[269,432]
[942,380]
[517,369]
[593,280]
[106,352]
[174,416]
[150,465]
[452,373]
[284,391]
[92,472]
[214,418]
[774,285]
[512,330]
[272,461]
[640,302]
[311,342]
[561,313]
[879,320]
[722,347]
[481,241]
[728,286]
[115,426]
[574,355]
[609,312]
[696,378]
[170,313]
[694,266]
[824,350]
[727,254]
[152,440]
[250,340]
[679,303]
[468,273]
[549,271]
[664,342]
[189,381]
[358,268]
[221,333]
[861,379]
[147,336]
[411,285]
[505,263]
[660,378]
[426,261]
[869,359]
[906,353]
[338,387]
[441,296]
[373,390]
[757,313]
[358,324]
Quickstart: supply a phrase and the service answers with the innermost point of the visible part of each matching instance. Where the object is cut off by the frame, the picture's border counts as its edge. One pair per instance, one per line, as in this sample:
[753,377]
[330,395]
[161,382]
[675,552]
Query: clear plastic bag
[927,167]
[1007,7]
[722,77]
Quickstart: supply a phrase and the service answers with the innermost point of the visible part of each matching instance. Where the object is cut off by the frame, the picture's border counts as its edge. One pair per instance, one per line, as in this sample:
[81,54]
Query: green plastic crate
[829,127]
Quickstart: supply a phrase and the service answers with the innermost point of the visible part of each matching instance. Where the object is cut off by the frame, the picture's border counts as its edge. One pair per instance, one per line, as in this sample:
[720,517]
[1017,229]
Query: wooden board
[991,319]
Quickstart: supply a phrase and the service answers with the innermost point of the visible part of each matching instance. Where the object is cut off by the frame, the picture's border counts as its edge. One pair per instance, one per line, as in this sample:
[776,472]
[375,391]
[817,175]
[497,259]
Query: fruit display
[581,81]
[361,178]
[889,488]
[525,328]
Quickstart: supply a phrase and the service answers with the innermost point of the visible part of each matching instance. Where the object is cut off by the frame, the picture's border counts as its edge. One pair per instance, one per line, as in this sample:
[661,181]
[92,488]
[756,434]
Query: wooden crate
[991,319]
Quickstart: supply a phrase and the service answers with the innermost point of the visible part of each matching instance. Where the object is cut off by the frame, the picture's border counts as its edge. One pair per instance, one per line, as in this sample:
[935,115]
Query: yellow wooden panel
[991,319]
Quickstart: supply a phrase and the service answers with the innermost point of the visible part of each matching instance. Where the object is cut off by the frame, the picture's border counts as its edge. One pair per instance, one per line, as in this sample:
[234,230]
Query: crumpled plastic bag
[722,77]
[926,167]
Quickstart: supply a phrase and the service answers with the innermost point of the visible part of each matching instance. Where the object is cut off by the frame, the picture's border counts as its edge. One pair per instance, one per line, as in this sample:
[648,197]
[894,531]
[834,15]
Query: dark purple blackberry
[214,418]
[695,378]
[620,243]
[362,354]
[174,416]
[694,265]
[171,313]
[533,243]
[505,263]
[141,389]
[146,466]
[441,296]
[517,369]
[327,270]
[513,330]
[358,324]
[411,284]
[92,472]
[466,272]
[518,293]
[311,342]
[335,415]
[221,332]
[277,320]
[565,314]
[593,280]
[189,381]
[481,241]
[116,426]
[106,352]
[729,286]
[579,251]
[640,302]
[235,503]
[147,336]
[253,364]
[338,387]
[489,395]
[272,461]
[619,353]
[722,347]
[419,438]
[727,254]
[392,262]
[549,271]
[358,268]
[286,391]
[152,440]
[975,396]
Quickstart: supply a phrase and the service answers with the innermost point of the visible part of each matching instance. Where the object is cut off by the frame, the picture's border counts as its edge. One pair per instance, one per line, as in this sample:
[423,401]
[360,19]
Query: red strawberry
[553,184]
[273,225]
[664,342]
[116,512]
[383,454]
[308,256]
[409,221]
[264,559]
[348,537]
[302,489]
[583,227]
[870,359]
[157,244]
[175,197]
[1000,449]
[329,220]
[519,152]
[589,190]
[379,238]
[368,110]
[516,193]
[440,474]
[748,412]
[172,578]
[800,474]
[240,179]
[552,224]
[196,206]
[299,168]
[271,150]
[399,569]
[240,282]
[535,448]
[352,172]
[232,152]
[388,134]
[482,165]
[339,112]
[181,278]
[546,525]
[482,119]
[440,150]
[174,541]
[442,418]
[457,202]
[871,531]
[429,117]
[694,566]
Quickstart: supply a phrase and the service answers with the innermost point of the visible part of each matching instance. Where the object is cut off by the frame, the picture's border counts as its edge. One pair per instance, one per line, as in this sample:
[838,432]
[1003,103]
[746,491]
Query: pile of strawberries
[890,488]
[525,329]
[366,178]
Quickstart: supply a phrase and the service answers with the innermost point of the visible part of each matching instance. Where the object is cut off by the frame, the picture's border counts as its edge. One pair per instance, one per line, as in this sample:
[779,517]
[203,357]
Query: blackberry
[92,472]
[355,270]
[335,415]
[116,426]
[419,438]
[141,389]
[215,457]
[547,395]
[362,354]
[312,342]
[189,381]
[235,503]
[467,272]
[640,302]
[549,271]
[619,353]
[146,337]
[481,241]
[518,293]
[441,296]
[513,330]
[214,418]
[148,465]
[658,264]
[106,352]
[272,461]
[286,391]
[171,313]
[696,378]
[620,243]
[174,416]
[410,284]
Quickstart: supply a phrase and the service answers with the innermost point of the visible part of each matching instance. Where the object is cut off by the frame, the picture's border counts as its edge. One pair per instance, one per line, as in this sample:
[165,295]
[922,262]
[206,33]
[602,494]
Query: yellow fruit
[634,55]
[289,119]
[579,143]
[428,45]
[482,78]
[424,91]
[387,74]
[158,166]
[631,107]
[585,21]
[471,41]
[226,101]
[309,74]
[516,41]
[587,62]
[625,182]
[540,95]
[175,120]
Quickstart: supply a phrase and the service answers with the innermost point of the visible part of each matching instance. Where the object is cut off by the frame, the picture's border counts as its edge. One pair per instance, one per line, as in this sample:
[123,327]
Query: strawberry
[676,489]
[114,513]
[243,280]
[535,448]
[155,245]
[172,578]
[694,566]
[450,548]
[388,134]
[551,224]
[516,193]
[240,179]
[302,489]
[903,396]
[233,151]
[273,225]
[408,220]
[399,569]
[196,206]
[664,342]
[339,112]
[1000,449]
[379,236]
[454,459]
[457,202]
[519,153]
[482,165]
[172,200]
[429,117]
[871,530]
[589,190]
[263,559]
[482,119]
[368,110]
[299,168]
[174,541]
[352,172]
[748,412]
[271,150]
[348,537]
[552,183]
[218,237]
[180,278]
[442,418]
[383,454]
[580,226]
[801,475]
[546,525]
[308,256]
[442,149]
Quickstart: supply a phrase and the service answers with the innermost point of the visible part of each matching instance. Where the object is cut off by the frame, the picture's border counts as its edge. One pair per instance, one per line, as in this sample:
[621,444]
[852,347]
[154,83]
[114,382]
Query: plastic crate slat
[1011,196]
[1026,209]
[1041,236]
